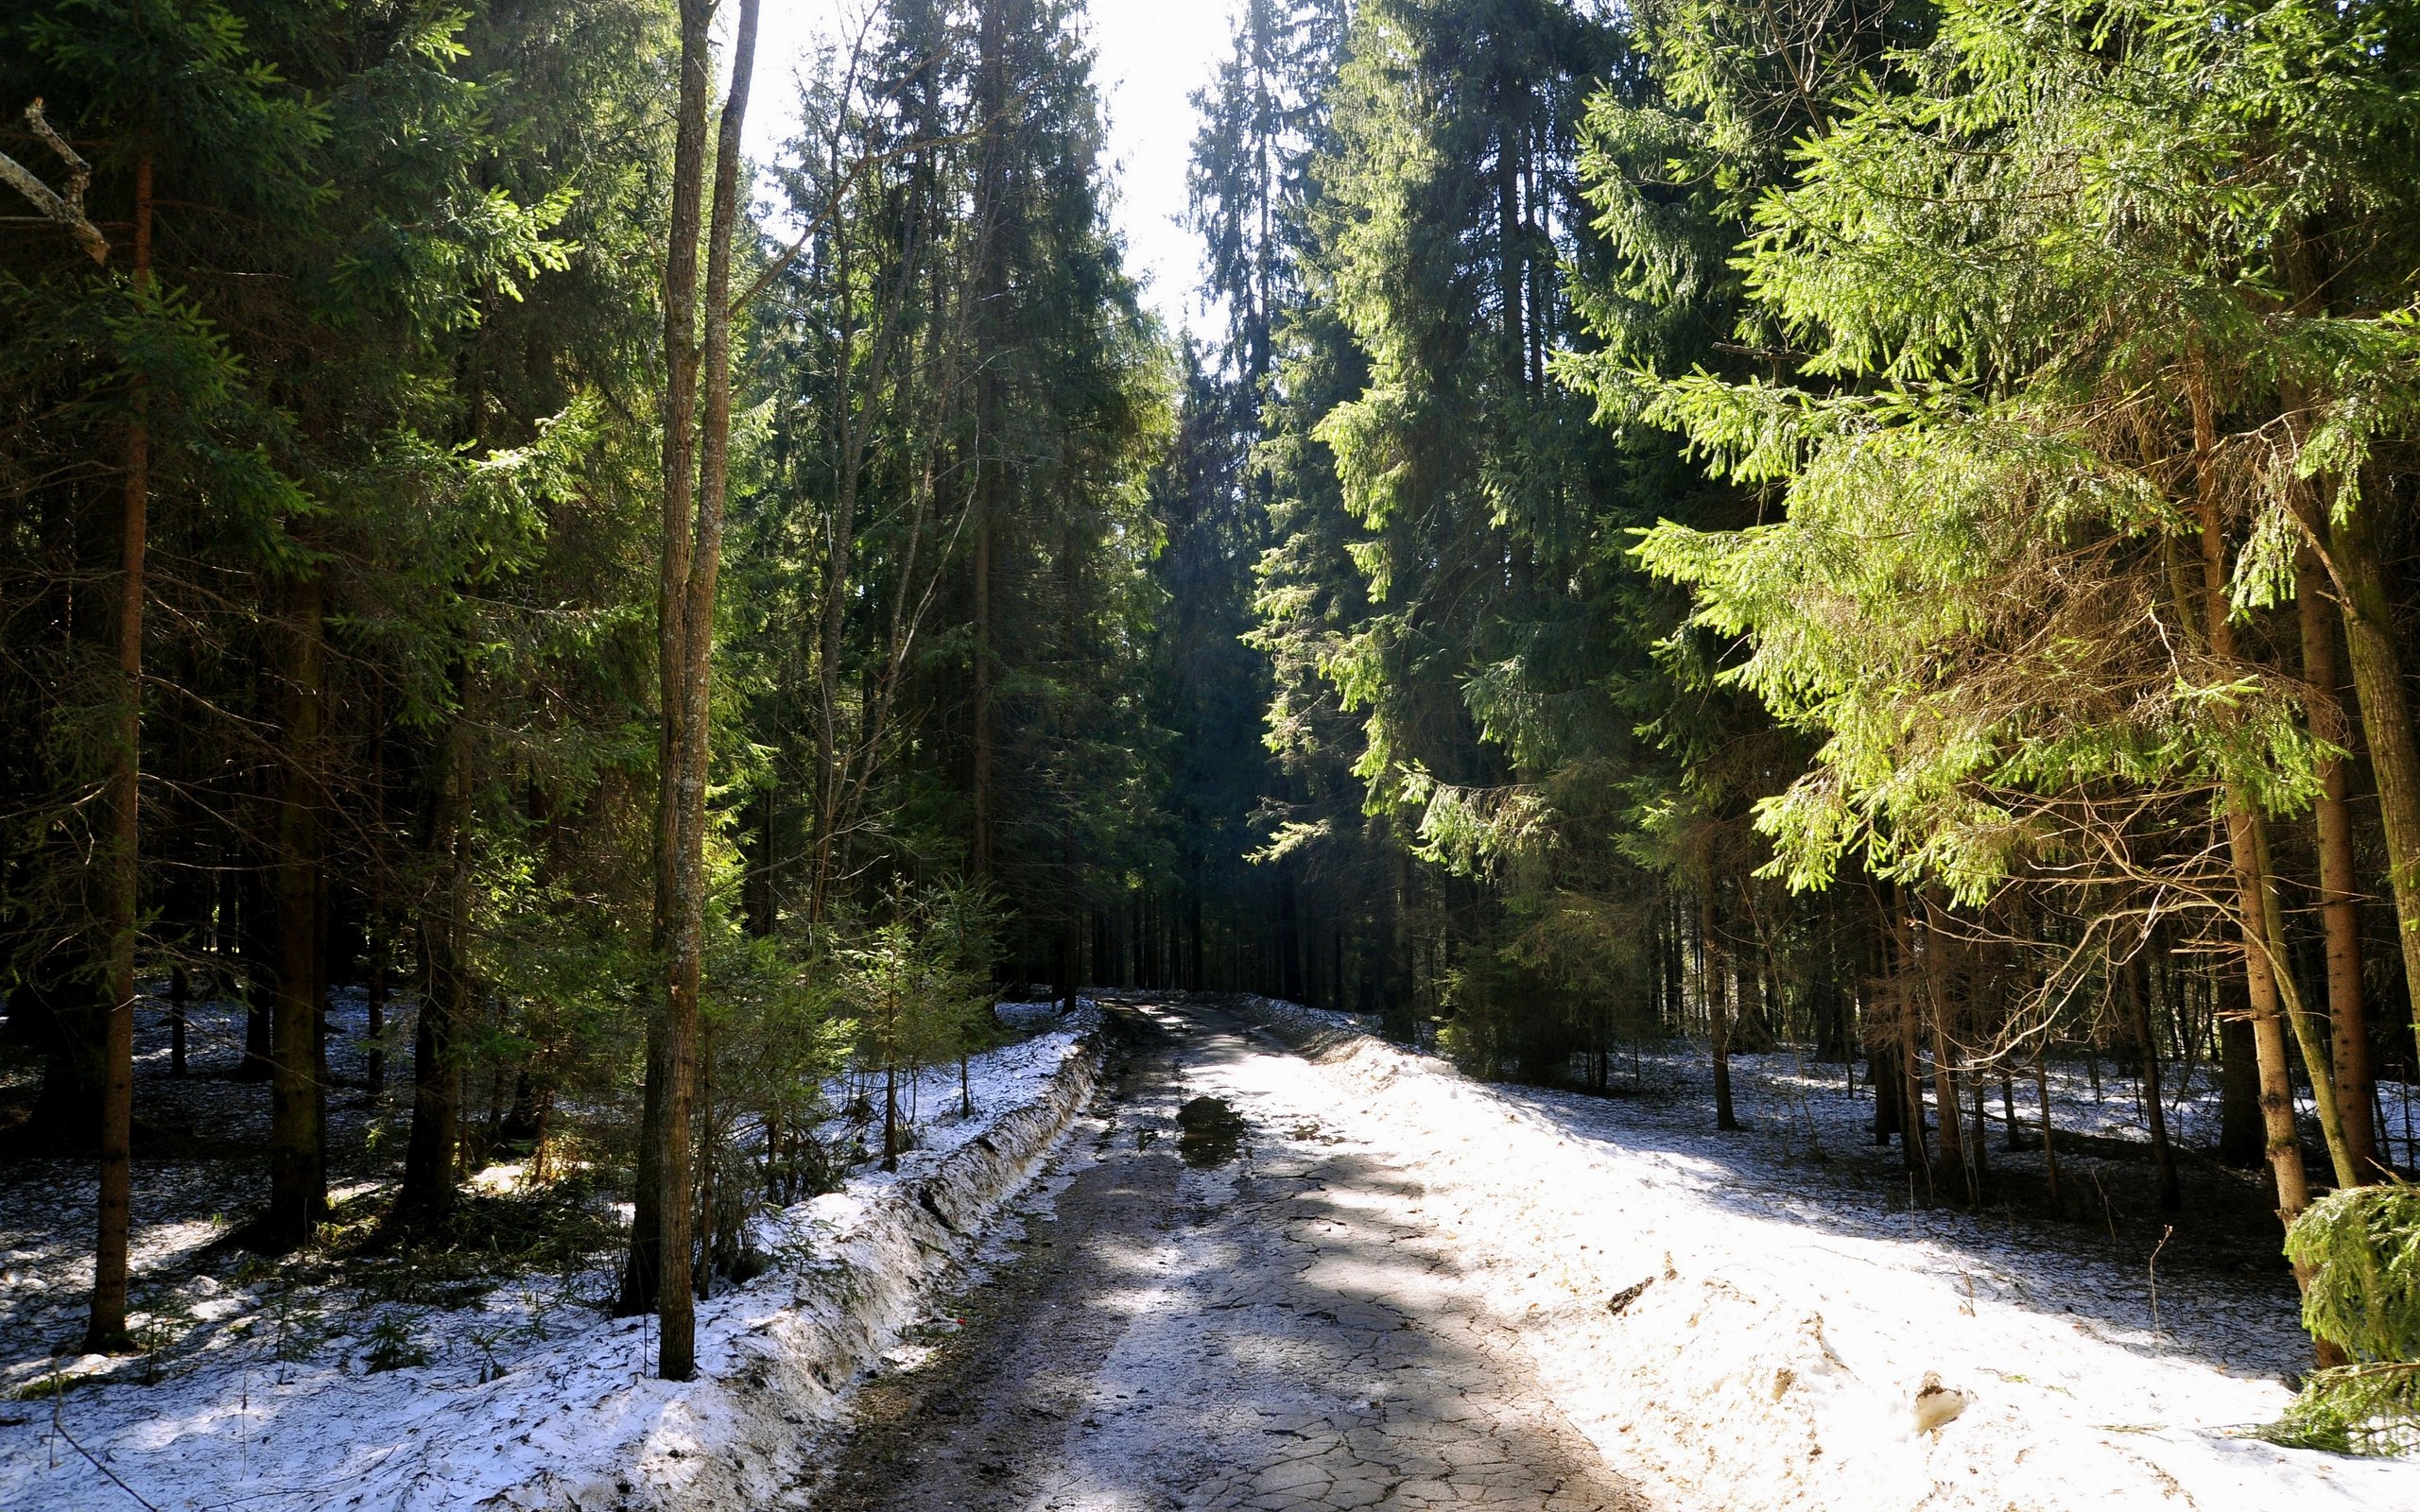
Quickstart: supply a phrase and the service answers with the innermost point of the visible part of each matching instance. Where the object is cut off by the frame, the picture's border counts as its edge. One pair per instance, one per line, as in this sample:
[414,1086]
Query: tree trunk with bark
[1717,1019]
[2342,525]
[2041,1100]
[297,1171]
[2243,843]
[105,1329]
[692,556]
[652,1221]
[1949,1162]
[2339,897]
[2380,688]
[2137,973]
[428,1195]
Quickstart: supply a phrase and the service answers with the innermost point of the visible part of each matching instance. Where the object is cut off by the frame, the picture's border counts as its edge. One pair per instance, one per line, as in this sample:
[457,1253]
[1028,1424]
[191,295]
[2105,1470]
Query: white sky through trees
[1151,56]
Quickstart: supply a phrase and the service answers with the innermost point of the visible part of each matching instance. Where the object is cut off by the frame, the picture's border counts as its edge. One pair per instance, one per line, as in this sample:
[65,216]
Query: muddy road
[1216,1303]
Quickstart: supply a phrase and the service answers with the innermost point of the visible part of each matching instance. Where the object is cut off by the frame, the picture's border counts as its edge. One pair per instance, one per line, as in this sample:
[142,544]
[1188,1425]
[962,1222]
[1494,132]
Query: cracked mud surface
[1278,1331]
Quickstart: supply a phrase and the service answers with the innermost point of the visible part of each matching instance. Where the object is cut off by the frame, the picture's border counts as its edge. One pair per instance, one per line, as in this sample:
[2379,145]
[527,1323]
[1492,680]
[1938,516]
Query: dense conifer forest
[1880,528]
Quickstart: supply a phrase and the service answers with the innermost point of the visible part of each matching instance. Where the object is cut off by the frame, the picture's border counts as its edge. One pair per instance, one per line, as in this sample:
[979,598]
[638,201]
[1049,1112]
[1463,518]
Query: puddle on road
[1212,1131]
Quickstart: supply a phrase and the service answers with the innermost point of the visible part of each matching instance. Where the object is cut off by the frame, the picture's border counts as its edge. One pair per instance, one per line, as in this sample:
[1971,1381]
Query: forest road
[1223,1304]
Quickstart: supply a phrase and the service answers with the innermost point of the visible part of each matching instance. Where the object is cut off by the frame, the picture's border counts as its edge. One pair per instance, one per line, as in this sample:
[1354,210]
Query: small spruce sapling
[2361,1248]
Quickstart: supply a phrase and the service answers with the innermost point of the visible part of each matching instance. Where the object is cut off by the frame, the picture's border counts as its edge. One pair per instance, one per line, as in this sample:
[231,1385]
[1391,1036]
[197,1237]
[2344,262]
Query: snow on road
[1219,1316]
[1399,1288]
[1739,1337]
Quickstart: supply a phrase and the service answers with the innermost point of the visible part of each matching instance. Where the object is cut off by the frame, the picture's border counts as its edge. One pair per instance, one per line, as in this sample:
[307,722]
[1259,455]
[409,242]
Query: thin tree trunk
[684,926]
[253,945]
[1718,1023]
[2307,1035]
[374,1073]
[890,1118]
[1979,1170]
[1883,1073]
[651,1216]
[2050,1150]
[760,904]
[179,1002]
[1948,1130]
[2380,689]
[2268,1032]
[298,1172]
[2138,1008]
[642,1268]
[2356,569]
[1510,281]
[2338,894]
[428,1195]
[105,1330]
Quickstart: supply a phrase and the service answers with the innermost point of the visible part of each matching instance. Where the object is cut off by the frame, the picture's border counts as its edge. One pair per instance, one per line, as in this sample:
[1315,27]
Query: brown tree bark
[642,1271]
[1910,1090]
[2345,533]
[1717,1011]
[2339,898]
[2243,845]
[2307,1037]
[1882,1074]
[2239,1133]
[2380,689]
[428,1195]
[692,560]
[256,947]
[1950,1133]
[297,1168]
[105,1330]
[2041,1100]
[2138,1011]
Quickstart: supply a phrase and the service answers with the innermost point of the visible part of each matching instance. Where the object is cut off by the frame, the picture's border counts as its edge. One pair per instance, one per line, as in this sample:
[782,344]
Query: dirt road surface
[1218,1303]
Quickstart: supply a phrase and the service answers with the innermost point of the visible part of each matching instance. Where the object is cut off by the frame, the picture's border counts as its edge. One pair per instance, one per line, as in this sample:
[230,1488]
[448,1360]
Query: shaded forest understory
[1879,531]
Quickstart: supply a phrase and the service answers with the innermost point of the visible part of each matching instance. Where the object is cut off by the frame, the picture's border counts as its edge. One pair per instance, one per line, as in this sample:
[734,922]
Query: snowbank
[574,1421]
[1734,1335]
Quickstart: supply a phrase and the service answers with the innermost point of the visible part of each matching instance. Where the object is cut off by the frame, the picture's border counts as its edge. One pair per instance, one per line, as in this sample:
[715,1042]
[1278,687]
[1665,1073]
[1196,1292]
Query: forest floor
[486,1372]
[1219,1305]
[1395,1287]
[1352,1277]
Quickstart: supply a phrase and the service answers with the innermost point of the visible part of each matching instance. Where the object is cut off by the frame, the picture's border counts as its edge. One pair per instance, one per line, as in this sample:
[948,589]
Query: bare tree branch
[68,209]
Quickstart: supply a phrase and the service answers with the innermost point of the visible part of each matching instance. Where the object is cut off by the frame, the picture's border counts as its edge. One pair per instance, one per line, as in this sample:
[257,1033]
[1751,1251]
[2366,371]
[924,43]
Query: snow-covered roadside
[574,1420]
[1734,1335]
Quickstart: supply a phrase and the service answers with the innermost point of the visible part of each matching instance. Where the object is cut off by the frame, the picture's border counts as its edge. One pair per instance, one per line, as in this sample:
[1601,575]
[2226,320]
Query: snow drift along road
[578,1423]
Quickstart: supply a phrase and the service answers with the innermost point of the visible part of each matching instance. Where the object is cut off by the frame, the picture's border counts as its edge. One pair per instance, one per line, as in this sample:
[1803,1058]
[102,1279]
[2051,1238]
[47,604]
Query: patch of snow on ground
[1741,1328]
[530,1397]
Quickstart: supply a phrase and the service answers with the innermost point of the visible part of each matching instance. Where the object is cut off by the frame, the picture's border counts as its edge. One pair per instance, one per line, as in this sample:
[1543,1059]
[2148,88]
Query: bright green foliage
[2359,1253]
[2359,1250]
[1446,607]
[2000,274]
[1661,476]
[918,988]
[946,396]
